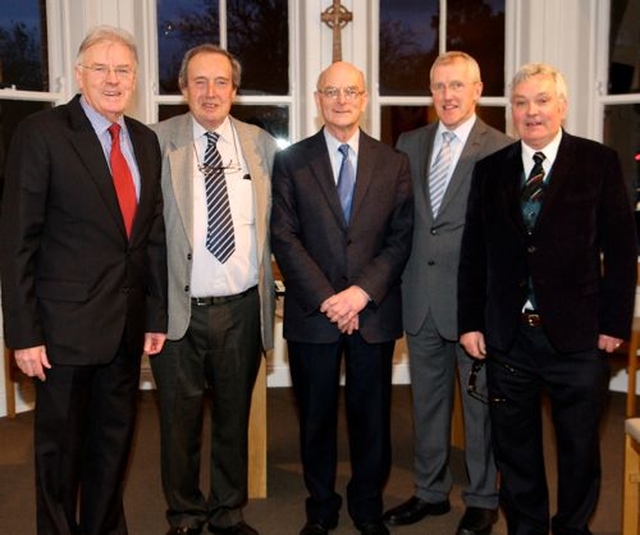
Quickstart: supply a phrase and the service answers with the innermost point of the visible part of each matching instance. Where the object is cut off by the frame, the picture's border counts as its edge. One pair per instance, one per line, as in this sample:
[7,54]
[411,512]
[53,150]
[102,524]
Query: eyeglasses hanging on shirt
[231,167]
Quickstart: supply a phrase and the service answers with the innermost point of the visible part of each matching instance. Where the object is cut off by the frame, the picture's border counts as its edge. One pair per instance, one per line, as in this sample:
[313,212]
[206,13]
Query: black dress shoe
[314,528]
[373,528]
[181,530]
[413,510]
[477,521]
[241,528]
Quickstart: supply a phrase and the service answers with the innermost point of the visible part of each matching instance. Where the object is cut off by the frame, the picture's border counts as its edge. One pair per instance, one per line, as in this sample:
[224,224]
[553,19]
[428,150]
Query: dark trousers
[84,421]
[315,372]
[576,385]
[220,354]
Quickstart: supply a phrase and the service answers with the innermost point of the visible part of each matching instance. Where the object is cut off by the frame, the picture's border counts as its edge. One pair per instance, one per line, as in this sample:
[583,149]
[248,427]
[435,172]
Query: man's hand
[608,343]
[473,343]
[153,342]
[342,308]
[32,361]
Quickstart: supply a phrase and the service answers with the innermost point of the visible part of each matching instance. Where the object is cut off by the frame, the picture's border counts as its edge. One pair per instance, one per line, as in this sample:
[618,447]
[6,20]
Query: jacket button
[434,231]
[431,263]
[531,249]
[189,256]
[186,288]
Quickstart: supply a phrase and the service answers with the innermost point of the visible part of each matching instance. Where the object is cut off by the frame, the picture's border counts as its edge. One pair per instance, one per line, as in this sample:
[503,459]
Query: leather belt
[531,318]
[220,300]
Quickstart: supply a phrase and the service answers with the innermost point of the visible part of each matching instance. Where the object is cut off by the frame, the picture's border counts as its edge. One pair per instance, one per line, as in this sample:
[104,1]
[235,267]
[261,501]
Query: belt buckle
[532,319]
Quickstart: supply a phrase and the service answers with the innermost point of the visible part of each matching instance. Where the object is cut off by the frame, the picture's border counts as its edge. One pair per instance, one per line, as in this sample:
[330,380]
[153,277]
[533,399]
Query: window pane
[398,119]
[409,42]
[258,35]
[624,43]
[182,24]
[23,45]
[408,45]
[478,29]
[11,113]
[274,119]
[622,132]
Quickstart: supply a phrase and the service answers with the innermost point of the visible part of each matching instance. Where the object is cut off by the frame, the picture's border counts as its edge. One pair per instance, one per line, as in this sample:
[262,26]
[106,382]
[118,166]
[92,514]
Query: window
[24,67]
[412,34]
[622,102]
[255,31]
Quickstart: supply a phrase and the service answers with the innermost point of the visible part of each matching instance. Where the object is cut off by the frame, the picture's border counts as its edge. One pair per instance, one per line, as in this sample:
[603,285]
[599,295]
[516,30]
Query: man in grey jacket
[217,189]
[442,156]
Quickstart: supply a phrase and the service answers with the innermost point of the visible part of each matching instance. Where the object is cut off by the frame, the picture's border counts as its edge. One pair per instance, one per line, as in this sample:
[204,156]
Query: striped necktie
[532,192]
[439,174]
[220,236]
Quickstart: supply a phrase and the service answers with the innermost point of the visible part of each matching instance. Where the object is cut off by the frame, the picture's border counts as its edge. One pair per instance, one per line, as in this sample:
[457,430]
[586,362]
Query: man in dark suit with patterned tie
[341,254]
[84,283]
[546,291]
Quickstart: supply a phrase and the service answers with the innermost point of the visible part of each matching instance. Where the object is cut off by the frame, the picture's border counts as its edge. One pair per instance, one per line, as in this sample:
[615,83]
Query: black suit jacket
[319,255]
[71,279]
[581,255]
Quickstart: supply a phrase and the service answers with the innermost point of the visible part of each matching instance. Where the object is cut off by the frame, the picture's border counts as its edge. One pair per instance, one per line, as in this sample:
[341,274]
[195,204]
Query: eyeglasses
[453,87]
[102,71]
[348,93]
[472,382]
[230,167]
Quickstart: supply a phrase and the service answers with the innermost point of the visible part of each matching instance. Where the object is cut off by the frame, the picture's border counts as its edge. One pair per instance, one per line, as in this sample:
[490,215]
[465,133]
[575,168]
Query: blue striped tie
[440,172]
[220,237]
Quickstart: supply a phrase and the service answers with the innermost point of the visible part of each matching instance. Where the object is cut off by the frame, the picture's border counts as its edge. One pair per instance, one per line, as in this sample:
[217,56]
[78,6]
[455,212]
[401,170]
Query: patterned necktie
[532,191]
[440,172]
[220,236]
[346,182]
[122,180]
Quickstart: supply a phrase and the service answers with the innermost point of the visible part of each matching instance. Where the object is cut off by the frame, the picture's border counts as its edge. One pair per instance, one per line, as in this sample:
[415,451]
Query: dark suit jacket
[581,255]
[71,279]
[319,255]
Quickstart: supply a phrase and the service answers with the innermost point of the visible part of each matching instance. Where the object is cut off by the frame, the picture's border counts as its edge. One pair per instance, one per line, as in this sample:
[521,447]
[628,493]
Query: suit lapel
[181,161]
[259,182]
[561,168]
[320,165]
[89,150]
[509,192]
[464,167]
[367,163]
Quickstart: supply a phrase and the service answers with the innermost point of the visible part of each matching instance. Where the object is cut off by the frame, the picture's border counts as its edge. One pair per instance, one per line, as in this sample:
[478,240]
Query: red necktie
[122,179]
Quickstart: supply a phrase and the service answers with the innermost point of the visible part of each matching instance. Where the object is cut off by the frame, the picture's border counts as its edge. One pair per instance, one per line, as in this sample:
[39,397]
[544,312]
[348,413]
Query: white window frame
[155,99]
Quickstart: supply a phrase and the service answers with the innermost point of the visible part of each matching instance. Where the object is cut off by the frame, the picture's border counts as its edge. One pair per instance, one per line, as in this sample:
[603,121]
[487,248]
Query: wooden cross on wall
[336,16]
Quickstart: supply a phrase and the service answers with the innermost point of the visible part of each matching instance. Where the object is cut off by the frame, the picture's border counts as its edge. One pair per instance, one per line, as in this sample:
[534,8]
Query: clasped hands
[343,308]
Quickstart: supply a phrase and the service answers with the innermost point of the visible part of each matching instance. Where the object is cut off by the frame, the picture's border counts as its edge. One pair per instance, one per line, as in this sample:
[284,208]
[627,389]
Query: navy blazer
[581,255]
[71,279]
[320,255]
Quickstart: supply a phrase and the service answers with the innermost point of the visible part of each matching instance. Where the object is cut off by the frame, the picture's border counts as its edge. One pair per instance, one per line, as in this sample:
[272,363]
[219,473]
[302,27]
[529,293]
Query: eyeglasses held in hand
[348,93]
[472,382]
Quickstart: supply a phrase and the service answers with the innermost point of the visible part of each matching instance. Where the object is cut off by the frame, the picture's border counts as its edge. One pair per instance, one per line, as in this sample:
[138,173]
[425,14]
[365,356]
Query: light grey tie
[220,236]
[439,172]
